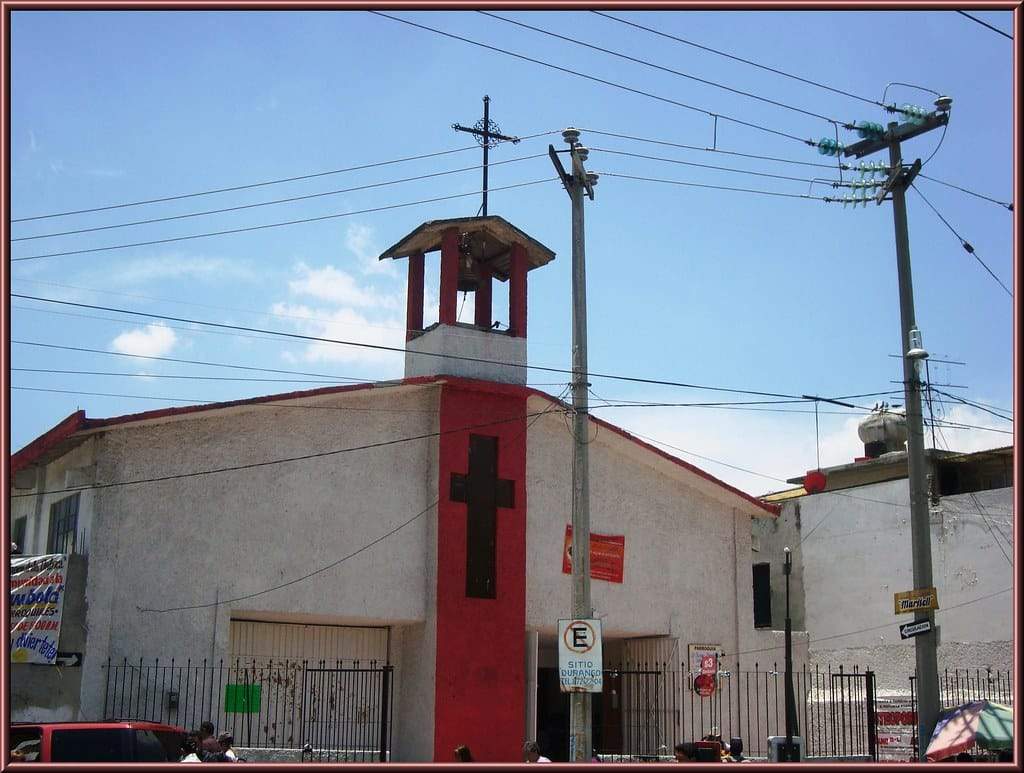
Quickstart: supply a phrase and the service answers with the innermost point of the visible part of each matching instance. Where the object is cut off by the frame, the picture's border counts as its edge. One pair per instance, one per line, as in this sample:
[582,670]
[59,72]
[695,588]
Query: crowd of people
[203,746]
[711,749]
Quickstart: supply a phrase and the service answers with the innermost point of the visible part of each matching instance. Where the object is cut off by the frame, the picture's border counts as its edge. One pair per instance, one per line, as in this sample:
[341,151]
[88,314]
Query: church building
[415,530]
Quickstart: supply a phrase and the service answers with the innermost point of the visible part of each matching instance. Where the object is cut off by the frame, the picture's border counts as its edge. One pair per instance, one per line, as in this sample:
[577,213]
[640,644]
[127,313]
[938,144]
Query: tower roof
[489,240]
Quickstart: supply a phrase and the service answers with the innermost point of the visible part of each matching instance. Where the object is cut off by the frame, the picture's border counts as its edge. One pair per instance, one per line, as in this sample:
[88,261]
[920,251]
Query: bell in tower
[474,252]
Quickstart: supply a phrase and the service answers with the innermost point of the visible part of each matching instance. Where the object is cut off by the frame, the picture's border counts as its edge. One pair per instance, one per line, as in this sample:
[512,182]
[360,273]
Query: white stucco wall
[687,556]
[491,348]
[193,540]
[856,554]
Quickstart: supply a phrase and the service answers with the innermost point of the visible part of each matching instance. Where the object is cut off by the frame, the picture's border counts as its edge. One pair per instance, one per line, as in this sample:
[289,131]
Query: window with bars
[18,533]
[63,525]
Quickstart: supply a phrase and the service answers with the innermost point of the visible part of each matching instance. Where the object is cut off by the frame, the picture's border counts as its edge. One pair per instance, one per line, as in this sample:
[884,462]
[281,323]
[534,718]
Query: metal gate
[852,706]
[347,713]
[338,710]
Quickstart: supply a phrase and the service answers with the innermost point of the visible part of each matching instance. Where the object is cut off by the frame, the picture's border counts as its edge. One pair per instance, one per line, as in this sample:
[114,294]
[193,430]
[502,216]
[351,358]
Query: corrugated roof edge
[77,422]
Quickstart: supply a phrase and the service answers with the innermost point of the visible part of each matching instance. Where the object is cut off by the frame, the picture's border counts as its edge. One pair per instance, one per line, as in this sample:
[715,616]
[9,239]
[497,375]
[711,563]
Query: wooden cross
[488,134]
[483,492]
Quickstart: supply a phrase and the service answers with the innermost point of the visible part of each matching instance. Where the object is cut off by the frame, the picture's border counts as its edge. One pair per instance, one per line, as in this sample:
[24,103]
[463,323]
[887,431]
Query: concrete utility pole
[928,707]
[580,181]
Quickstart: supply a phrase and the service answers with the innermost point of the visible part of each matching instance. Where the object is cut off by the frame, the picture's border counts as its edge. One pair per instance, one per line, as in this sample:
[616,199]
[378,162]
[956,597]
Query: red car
[109,741]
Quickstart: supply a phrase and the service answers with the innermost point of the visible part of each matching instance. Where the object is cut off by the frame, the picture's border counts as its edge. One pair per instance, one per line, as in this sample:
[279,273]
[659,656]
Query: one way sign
[69,659]
[910,630]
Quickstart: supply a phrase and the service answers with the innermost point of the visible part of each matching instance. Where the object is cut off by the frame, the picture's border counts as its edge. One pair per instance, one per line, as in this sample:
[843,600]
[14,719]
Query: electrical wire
[381,347]
[595,79]
[738,59]
[991,530]
[712,150]
[334,378]
[968,247]
[333,564]
[702,166]
[284,223]
[975,405]
[715,187]
[1007,205]
[171,376]
[646,63]
[273,462]
[275,201]
[985,24]
[264,182]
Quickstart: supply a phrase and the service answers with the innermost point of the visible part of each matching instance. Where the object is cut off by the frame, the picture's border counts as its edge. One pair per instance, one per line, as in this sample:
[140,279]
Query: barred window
[63,525]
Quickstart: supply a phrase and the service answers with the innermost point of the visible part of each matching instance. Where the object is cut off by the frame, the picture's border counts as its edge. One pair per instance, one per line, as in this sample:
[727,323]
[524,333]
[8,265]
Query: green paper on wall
[242,698]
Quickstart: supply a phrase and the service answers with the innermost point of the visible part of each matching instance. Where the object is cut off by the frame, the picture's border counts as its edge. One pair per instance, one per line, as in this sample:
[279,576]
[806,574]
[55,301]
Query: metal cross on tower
[488,134]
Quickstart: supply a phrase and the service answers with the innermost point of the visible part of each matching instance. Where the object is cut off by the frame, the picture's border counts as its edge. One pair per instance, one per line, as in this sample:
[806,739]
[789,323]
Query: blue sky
[704,286]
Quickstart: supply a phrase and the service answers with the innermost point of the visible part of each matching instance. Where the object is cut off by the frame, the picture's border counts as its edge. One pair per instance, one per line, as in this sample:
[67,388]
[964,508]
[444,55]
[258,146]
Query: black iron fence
[658,705]
[956,687]
[342,709]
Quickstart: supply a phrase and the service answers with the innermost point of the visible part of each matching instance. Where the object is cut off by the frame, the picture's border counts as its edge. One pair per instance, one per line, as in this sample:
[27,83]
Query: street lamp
[789,754]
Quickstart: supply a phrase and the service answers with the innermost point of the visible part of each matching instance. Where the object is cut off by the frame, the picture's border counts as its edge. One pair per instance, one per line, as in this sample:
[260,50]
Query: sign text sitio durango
[580,661]
[921,600]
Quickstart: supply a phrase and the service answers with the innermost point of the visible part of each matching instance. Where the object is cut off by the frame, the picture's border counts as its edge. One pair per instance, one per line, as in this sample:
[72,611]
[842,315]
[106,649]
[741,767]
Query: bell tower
[474,252]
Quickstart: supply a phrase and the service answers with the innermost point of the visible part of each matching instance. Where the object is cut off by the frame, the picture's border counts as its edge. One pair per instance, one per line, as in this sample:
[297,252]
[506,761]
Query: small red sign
[606,555]
[708,664]
[704,685]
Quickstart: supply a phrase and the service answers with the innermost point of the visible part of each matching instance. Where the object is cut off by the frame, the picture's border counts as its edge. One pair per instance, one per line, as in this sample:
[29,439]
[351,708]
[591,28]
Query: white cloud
[100,172]
[345,324]
[56,166]
[339,287]
[360,242]
[33,146]
[151,341]
[179,266]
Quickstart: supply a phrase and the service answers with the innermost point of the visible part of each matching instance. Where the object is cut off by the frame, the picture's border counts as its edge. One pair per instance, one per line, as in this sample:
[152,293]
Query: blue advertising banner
[36,604]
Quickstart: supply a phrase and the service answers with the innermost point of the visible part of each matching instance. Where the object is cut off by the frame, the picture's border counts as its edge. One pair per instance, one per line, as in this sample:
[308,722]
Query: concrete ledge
[293,756]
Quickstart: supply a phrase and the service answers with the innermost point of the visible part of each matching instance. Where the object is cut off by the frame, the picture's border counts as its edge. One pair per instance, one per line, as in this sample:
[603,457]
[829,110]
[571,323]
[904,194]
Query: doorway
[553,716]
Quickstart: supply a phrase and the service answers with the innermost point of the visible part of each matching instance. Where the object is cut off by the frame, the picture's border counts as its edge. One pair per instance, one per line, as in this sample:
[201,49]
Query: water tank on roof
[883,431]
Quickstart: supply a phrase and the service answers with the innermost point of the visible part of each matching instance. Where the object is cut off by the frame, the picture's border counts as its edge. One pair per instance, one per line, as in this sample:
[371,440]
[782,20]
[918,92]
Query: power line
[598,80]
[333,377]
[275,201]
[841,166]
[272,462]
[985,24]
[741,59]
[716,187]
[702,166]
[277,225]
[264,182]
[171,376]
[401,350]
[714,150]
[335,563]
[968,247]
[665,69]
[991,531]
[1007,205]
[974,405]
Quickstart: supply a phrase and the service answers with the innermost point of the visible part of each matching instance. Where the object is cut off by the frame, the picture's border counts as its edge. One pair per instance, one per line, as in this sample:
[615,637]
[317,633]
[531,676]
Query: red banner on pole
[607,554]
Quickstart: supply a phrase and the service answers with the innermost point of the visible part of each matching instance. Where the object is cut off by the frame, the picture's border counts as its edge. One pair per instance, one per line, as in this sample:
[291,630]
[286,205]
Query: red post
[449,276]
[517,292]
[414,298]
[483,297]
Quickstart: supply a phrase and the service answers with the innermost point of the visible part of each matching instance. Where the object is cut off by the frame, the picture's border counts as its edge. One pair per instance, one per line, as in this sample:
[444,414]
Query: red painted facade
[480,683]
[414,298]
[449,277]
[517,292]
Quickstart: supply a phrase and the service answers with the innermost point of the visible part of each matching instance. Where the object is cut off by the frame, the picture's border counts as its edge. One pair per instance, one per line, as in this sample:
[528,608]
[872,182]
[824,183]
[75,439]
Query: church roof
[77,427]
[490,239]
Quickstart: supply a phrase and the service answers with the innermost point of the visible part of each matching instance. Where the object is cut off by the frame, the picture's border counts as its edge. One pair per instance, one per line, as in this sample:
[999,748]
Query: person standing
[531,752]
[226,741]
[208,744]
[190,748]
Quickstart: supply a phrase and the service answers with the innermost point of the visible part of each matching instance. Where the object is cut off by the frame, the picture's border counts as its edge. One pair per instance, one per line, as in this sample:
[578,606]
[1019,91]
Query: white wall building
[351,523]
